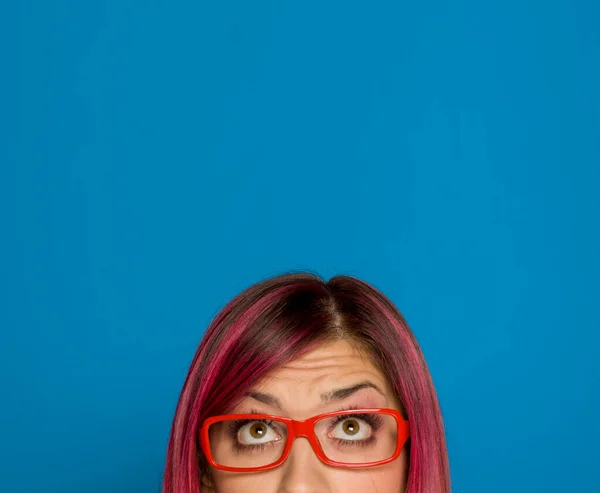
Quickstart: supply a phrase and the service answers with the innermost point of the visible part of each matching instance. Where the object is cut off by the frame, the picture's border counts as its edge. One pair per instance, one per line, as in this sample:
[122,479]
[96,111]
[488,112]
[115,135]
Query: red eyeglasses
[257,442]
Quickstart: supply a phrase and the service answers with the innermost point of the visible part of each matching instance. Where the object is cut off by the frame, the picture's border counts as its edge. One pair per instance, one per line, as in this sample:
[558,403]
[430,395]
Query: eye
[257,432]
[352,429]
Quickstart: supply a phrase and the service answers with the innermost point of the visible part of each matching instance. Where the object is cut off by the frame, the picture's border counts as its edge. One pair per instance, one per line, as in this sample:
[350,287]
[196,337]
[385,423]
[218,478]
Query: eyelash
[373,420]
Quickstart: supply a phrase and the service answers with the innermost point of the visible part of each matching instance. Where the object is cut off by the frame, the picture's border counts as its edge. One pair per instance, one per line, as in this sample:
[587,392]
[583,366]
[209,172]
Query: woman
[306,386]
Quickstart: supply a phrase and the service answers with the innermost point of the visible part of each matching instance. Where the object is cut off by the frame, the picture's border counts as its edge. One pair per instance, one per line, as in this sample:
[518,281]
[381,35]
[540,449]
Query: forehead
[338,357]
[329,366]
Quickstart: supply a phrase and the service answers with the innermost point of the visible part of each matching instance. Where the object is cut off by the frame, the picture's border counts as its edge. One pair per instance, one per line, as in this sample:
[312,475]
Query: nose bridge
[304,431]
[304,471]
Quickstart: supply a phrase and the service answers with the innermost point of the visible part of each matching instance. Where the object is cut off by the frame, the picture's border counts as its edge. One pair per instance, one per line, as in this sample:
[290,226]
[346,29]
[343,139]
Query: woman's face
[298,387]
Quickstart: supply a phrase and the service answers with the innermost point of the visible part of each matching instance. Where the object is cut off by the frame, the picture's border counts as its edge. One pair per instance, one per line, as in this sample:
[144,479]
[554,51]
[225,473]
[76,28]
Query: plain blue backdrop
[158,157]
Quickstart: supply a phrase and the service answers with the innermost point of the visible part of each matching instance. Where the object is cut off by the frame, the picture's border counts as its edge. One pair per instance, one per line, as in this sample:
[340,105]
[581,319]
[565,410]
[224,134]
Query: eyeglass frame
[304,428]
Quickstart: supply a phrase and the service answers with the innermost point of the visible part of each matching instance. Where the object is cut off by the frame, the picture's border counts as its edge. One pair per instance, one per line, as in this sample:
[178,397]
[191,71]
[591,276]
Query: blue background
[159,157]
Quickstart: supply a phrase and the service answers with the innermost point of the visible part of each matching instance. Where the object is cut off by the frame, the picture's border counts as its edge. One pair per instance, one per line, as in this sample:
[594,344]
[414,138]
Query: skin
[298,386]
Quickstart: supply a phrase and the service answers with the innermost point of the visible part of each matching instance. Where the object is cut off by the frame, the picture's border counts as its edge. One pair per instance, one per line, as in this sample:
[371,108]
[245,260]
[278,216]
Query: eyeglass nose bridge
[304,428]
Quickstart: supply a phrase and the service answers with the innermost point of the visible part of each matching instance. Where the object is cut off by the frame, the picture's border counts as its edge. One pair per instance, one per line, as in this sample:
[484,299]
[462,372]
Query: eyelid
[256,411]
[353,407]
[349,407]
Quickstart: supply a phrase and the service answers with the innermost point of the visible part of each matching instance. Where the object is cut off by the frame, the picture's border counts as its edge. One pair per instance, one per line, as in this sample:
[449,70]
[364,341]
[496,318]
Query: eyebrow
[332,395]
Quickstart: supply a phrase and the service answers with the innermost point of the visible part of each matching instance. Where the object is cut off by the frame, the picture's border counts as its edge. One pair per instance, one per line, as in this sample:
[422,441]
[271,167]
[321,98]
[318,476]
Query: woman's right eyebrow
[332,395]
[268,399]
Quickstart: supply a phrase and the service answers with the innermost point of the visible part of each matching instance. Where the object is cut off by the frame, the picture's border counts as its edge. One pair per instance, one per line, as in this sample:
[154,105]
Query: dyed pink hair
[278,320]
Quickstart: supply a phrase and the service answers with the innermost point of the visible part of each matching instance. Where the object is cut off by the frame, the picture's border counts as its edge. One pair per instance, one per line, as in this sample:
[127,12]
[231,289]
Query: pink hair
[278,320]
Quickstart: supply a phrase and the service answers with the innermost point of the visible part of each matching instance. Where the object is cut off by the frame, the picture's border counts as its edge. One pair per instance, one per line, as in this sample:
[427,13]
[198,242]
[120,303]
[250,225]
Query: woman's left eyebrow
[332,395]
[343,393]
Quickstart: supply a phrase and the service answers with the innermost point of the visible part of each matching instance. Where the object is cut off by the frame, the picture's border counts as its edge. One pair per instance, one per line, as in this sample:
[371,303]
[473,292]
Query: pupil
[257,430]
[351,427]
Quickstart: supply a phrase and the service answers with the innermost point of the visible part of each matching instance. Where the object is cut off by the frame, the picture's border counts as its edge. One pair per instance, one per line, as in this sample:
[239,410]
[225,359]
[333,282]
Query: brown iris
[351,427]
[258,430]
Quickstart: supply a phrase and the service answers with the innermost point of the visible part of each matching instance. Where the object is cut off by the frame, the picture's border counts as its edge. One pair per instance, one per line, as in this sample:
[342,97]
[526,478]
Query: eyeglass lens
[349,438]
